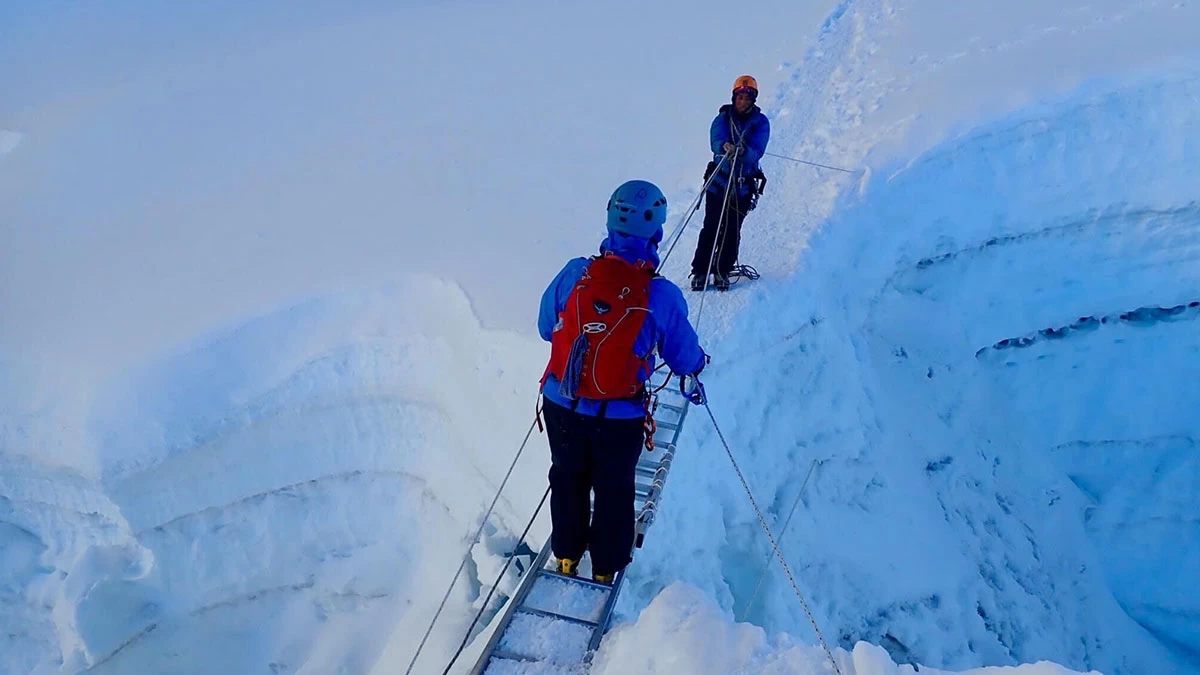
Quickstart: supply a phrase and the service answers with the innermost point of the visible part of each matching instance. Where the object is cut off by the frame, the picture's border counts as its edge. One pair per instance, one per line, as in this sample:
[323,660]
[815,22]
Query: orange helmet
[746,84]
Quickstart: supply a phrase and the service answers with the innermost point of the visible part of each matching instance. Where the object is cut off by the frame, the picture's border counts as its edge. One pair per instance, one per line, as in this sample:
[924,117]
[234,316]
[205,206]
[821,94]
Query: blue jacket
[666,327]
[752,130]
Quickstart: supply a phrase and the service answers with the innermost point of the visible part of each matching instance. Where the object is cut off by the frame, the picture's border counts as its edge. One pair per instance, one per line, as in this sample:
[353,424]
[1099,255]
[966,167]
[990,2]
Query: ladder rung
[666,425]
[578,580]
[498,653]
[556,616]
[671,406]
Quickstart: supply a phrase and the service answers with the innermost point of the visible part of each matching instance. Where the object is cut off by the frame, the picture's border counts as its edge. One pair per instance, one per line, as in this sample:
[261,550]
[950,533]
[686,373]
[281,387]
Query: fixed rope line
[762,521]
[474,540]
[782,533]
[802,161]
[693,207]
[717,238]
[496,584]
[675,236]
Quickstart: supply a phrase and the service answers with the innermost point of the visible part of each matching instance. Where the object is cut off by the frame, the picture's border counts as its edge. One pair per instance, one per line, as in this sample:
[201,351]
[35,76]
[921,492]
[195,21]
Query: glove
[694,393]
[731,149]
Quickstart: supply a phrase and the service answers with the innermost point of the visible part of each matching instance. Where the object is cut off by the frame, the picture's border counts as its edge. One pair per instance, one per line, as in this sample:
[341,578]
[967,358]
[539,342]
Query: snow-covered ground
[251,445]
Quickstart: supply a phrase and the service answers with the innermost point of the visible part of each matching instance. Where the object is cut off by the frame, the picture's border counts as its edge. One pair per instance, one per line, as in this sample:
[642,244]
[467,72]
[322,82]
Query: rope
[693,207]
[744,272]
[474,540]
[762,521]
[782,533]
[801,161]
[712,257]
[675,236]
[511,556]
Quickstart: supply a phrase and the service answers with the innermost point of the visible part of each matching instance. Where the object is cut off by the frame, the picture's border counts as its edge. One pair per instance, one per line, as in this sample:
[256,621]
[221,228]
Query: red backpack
[591,350]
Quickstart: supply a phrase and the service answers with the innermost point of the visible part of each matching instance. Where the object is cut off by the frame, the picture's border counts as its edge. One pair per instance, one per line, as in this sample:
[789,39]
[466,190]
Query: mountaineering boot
[568,567]
[603,578]
[720,282]
[698,282]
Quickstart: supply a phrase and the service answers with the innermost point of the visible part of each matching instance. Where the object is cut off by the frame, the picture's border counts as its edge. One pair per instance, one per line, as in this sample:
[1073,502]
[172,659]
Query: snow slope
[924,437]
[972,366]
[280,485]
[682,631]
[929,439]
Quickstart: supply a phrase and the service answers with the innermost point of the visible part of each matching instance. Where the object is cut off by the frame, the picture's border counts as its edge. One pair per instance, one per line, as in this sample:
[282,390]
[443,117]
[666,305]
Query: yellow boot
[568,567]
[603,578]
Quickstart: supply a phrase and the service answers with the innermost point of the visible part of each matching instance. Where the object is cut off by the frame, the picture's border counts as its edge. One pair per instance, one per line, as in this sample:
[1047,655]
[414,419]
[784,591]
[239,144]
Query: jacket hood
[633,249]
[730,110]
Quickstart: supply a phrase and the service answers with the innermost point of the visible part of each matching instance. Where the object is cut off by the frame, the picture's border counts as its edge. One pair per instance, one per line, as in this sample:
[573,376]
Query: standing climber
[605,317]
[738,136]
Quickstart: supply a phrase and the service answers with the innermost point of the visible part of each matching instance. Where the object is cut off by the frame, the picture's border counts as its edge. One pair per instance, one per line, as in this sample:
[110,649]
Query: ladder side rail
[605,616]
[514,602]
[649,506]
[644,518]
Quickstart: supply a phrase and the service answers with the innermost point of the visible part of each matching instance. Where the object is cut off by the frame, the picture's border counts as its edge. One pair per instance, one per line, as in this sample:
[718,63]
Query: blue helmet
[637,208]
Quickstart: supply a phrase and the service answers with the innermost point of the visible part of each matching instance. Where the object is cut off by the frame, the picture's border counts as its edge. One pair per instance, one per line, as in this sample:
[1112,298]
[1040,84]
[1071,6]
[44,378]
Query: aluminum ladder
[553,623]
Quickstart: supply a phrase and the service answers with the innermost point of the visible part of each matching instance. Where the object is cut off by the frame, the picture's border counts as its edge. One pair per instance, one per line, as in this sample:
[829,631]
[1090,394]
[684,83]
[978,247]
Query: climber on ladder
[604,317]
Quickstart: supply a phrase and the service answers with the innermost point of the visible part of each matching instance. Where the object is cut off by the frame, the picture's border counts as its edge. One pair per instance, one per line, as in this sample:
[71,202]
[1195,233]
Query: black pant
[592,454]
[731,233]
